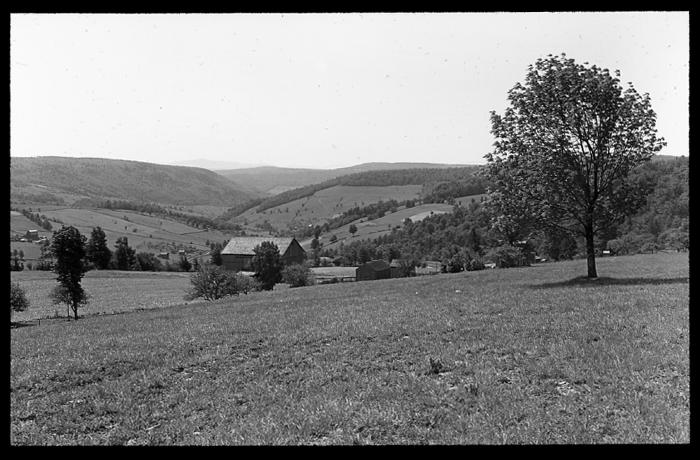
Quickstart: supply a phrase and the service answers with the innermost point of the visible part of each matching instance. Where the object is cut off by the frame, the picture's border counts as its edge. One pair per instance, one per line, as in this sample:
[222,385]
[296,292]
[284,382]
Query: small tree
[352,229]
[124,257]
[297,275]
[267,265]
[18,299]
[185,264]
[216,254]
[148,262]
[97,251]
[69,249]
[211,283]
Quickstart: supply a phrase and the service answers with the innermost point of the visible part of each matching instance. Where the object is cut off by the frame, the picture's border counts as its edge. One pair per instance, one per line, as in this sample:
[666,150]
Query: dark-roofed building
[238,253]
[32,235]
[373,270]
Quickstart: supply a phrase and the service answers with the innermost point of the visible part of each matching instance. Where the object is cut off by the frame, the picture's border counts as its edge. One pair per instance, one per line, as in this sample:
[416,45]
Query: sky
[313,90]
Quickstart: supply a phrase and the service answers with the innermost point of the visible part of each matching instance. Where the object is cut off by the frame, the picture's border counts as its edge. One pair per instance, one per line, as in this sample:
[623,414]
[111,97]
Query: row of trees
[39,219]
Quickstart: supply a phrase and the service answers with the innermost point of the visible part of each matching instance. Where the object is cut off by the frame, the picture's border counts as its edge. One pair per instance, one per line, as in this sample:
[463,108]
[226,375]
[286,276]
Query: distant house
[238,253]
[401,268]
[32,235]
[373,270]
[164,255]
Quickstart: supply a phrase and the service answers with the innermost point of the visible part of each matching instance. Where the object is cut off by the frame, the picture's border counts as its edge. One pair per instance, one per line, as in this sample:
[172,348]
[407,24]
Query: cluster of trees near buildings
[98,255]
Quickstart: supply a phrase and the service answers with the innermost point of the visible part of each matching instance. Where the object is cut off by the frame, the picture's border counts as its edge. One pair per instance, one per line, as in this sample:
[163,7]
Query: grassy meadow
[527,355]
[110,291]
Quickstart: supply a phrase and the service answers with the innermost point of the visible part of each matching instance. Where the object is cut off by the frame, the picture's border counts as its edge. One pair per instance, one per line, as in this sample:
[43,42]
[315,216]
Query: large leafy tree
[97,251]
[564,149]
[267,264]
[69,250]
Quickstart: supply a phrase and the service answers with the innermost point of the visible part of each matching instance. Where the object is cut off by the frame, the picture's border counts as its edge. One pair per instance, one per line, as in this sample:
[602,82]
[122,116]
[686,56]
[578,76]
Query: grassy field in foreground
[110,291]
[531,355]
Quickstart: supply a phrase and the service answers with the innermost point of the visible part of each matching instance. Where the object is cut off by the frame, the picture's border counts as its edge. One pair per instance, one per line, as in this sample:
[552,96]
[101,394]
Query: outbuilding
[238,253]
[373,270]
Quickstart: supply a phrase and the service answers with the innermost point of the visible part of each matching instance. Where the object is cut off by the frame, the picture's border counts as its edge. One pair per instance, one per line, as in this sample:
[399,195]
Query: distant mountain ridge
[273,180]
[66,180]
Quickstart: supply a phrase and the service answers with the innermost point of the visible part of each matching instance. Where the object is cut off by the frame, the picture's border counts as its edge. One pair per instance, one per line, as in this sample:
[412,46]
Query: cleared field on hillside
[529,355]
[378,227]
[151,230]
[20,224]
[31,251]
[326,203]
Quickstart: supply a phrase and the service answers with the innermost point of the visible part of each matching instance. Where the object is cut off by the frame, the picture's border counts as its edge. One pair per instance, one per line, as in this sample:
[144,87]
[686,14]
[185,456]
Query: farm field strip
[109,291]
[149,229]
[527,355]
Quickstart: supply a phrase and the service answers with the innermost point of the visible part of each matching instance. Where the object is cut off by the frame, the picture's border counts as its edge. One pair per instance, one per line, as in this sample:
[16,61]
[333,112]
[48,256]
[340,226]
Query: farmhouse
[373,270]
[32,235]
[238,253]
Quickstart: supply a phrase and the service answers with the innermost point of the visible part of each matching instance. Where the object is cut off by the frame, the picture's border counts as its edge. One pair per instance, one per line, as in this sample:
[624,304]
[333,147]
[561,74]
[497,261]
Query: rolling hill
[64,180]
[273,180]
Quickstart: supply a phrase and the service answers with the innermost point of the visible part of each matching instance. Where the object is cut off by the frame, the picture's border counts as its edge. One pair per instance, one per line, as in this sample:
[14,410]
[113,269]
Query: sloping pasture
[326,203]
[528,355]
[148,229]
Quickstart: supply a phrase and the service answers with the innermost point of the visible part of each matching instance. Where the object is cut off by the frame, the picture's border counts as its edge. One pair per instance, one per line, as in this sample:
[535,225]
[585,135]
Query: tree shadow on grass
[18,324]
[583,281]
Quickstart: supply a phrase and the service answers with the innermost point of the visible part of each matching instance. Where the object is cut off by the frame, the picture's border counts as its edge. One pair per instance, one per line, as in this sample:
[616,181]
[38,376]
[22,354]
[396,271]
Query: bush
[475,264]
[297,275]
[247,284]
[212,283]
[507,256]
[18,299]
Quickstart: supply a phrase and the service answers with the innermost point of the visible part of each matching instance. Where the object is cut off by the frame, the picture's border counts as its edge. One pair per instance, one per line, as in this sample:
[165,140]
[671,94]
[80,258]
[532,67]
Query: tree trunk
[75,312]
[590,250]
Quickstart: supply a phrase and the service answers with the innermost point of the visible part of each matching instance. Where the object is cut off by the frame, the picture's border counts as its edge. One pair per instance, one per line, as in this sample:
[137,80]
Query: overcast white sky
[312,90]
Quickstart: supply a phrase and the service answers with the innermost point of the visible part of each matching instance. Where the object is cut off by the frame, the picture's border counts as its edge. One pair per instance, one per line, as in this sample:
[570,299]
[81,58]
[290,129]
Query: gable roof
[244,245]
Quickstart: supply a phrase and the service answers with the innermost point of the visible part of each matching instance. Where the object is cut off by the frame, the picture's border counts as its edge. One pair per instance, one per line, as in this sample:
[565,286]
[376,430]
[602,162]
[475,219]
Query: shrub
[18,299]
[247,284]
[297,275]
[212,282]
[506,256]
[475,264]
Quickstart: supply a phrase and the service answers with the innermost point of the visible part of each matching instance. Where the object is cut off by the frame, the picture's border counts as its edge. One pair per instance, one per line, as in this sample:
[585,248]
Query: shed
[373,270]
[238,253]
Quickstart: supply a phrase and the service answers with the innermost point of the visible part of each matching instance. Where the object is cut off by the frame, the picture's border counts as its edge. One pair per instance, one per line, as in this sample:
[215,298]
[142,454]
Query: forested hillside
[62,181]
[465,235]
[274,180]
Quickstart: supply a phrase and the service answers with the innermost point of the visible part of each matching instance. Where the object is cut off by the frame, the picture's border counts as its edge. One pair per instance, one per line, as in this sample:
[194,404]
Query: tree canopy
[69,250]
[564,149]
